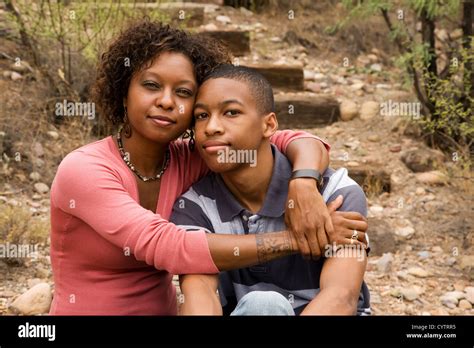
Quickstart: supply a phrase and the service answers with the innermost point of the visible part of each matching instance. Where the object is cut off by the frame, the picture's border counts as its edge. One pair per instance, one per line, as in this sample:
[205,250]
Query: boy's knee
[265,303]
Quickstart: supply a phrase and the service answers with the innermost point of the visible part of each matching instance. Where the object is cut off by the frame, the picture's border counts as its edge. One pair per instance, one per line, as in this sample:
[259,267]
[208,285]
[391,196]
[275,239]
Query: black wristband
[309,173]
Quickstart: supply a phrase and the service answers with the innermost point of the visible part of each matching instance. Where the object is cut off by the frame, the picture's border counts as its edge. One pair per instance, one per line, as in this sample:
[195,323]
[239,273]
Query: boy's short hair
[259,85]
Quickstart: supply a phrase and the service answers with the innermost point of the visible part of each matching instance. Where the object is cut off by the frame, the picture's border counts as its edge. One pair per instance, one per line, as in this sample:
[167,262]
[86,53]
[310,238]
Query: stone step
[305,111]
[282,77]
[369,176]
[237,41]
[191,16]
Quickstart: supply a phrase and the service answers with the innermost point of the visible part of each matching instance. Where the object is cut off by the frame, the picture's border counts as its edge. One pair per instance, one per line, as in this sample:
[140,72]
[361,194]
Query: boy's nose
[213,126]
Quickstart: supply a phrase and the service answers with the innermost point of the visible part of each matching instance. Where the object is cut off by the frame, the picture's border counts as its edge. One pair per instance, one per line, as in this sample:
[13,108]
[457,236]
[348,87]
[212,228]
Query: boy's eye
[184,92]
[200,116]
[232,112]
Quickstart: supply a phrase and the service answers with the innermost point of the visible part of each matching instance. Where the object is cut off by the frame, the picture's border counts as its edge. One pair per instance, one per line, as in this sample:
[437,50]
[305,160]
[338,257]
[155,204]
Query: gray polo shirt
[209,205]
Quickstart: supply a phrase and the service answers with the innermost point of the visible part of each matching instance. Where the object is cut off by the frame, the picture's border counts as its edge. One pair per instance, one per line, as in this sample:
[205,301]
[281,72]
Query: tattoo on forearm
[272,246]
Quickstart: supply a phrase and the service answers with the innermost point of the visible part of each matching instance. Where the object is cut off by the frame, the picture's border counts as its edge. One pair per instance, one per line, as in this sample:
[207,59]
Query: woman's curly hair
[139,45]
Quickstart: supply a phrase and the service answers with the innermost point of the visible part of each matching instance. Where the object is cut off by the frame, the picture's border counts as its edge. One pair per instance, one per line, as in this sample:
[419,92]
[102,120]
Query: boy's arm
[343,271]
[340,284]
[199,294]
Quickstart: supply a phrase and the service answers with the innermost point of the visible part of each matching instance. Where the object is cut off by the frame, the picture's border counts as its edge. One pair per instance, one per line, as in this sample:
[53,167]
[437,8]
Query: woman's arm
[306,214]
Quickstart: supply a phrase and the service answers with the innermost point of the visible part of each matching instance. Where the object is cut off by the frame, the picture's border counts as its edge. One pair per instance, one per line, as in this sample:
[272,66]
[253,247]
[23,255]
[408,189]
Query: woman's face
[160,98]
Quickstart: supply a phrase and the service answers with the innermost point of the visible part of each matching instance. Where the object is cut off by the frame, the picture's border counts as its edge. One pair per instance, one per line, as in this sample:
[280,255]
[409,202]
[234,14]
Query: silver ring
[355,235]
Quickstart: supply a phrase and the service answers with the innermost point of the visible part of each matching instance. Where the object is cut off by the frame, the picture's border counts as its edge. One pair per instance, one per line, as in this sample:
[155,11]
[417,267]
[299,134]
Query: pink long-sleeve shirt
[109,255]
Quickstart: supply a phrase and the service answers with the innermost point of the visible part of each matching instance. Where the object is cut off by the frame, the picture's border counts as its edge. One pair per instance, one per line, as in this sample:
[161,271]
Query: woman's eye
[232,112]
[200,116]
[184,92]
[151,85]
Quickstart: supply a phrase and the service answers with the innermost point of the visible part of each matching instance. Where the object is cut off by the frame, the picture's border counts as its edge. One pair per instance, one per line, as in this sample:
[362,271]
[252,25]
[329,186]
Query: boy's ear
[270,124]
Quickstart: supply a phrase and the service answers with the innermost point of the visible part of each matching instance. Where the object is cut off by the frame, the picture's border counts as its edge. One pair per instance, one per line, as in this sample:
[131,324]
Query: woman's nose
[165,100]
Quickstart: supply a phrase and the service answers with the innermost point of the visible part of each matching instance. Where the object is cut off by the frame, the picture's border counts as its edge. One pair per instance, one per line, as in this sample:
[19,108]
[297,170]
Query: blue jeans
[263,303]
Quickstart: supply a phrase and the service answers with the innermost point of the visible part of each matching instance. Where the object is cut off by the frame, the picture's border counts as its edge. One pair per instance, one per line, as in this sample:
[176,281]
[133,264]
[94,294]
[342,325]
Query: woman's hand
[345,223]
[307,218]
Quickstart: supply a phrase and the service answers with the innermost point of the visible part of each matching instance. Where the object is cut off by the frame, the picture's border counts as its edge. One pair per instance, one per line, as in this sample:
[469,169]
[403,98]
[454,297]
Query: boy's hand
[308,218]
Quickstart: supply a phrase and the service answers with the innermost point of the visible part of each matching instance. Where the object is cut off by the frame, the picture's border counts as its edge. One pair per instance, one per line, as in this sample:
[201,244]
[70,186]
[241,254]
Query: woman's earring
[191,140]
[127,129]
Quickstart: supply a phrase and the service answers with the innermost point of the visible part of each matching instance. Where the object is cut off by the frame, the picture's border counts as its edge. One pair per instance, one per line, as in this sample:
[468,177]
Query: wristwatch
[309,173]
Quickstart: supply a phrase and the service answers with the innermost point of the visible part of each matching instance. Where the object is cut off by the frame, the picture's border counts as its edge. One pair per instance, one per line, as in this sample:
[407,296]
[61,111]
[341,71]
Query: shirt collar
[275,199]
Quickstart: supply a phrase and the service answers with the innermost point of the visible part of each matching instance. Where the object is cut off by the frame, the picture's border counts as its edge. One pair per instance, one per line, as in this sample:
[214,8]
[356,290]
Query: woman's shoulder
[97,152]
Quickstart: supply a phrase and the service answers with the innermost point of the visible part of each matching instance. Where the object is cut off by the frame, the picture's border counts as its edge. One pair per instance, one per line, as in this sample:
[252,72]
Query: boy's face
[227,120]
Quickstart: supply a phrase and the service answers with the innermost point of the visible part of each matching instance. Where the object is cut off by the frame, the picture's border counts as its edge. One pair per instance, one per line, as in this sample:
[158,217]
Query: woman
[113,251]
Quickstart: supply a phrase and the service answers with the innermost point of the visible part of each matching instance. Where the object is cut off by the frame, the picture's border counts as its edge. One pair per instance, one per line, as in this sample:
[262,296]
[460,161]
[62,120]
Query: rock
[409,294]
[467,261]
[41,273]
[7,74]
[53,135]
[380,237]
[38,149]
[451,298]
[357,86]
[395,148]
[7,293]
[313,87]
[38,162]
[373,138]
[405,232]
[383,86]
[349,110]
[464,304]
[450,261]
[308,75]
[36,300]
[376,209]
[418,272]
[372,57]
[384,264]
[469,294]
[41,188]
[376,67]
[21,66]
[275,39]
[15,76]
[319,77]
[354,144]
[246,12]
[403,275]
[209,27]
[35,176]
[434,177]
[369,110]
[33,282]
[424,254]
[422,160]
[420,191]
[223,19]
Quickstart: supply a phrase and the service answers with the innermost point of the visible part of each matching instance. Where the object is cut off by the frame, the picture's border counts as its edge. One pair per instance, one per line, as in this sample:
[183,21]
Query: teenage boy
[246,194]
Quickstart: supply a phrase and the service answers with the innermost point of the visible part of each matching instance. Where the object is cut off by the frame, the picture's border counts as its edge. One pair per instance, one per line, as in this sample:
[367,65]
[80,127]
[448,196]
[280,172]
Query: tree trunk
[467,37]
